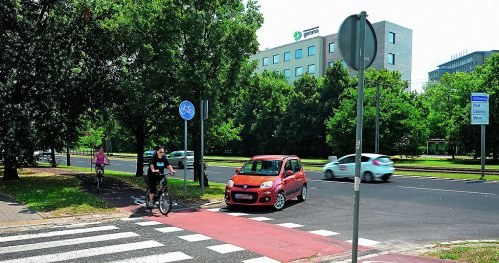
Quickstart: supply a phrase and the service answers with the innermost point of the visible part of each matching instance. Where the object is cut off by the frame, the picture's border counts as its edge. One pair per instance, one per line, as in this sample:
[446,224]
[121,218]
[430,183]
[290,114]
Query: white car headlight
[267,184]
[230,183]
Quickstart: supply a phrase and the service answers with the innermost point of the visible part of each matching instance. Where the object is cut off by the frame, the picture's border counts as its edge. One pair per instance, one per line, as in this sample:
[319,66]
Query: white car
[373,167]
[178,159]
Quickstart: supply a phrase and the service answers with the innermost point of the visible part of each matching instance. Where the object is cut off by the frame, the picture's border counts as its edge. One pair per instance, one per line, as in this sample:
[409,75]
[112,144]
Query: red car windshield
[261,167]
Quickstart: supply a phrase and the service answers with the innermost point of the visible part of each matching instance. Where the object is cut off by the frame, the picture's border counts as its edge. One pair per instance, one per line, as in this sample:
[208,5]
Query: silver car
[373,167]
[178,159]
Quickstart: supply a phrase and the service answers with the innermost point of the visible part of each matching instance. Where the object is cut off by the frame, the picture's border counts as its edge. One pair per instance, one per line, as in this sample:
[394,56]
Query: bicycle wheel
[165,202]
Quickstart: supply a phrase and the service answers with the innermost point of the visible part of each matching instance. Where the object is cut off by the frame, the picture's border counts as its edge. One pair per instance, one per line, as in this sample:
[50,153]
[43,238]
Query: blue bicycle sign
[186,110]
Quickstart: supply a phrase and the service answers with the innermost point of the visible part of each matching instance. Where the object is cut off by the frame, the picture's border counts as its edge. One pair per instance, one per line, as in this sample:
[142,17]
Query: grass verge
[53,195]
[213,193]
[471,252]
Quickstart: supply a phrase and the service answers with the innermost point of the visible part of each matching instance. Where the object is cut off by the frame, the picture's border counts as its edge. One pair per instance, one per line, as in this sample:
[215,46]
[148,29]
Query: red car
[267,180]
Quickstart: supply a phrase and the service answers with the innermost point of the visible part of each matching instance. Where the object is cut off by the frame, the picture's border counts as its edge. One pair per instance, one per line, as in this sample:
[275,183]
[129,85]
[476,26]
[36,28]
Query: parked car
[178,159]
[373,167]
[267,180]
[148,155]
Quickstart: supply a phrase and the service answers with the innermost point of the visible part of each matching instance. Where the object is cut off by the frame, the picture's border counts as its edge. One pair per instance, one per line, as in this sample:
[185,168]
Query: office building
[313,55]
[463,63]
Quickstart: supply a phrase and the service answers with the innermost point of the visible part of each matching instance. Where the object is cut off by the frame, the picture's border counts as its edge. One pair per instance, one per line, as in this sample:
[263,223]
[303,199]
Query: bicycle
[161,195]
[98,177]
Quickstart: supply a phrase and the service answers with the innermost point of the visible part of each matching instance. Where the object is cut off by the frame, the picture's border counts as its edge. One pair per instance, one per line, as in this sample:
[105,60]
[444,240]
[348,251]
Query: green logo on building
[297,35]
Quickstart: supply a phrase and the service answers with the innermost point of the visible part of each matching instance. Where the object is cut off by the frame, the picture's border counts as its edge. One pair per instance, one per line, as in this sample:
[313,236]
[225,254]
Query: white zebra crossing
[96,244]
[57,233]
[84,253]
[66,242]
[160,258]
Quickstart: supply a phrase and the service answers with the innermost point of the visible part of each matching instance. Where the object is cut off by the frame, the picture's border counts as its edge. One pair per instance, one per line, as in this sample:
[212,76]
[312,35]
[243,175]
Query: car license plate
[243,196]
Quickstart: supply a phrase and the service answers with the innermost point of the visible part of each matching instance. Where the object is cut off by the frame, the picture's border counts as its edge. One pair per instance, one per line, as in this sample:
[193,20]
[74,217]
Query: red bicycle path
[270,240]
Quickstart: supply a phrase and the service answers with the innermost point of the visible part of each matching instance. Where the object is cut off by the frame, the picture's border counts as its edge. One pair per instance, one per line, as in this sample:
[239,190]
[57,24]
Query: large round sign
[186,110]
[349,42]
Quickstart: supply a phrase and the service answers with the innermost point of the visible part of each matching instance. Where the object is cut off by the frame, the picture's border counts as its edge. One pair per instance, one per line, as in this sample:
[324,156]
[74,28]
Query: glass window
[391,37]
[261,167]
[287,56]
[298,71]
[311,50]
[275,59]
[296,165]
[311,69]
[265,61]
[391,58]
[330,64]
[298,53]
[332,47]
[287,73]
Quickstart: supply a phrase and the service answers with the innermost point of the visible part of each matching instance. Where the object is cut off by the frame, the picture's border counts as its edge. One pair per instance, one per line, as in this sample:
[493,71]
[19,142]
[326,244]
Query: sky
[441,29]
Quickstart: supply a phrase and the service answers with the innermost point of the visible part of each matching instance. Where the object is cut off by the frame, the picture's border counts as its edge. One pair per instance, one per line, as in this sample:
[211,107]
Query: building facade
[314,55]
[465,63]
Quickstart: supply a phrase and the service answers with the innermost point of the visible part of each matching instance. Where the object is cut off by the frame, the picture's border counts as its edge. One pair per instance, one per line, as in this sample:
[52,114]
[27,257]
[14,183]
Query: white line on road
[84,253]
[66,242]
[161,258]
[56,233]
[445,190]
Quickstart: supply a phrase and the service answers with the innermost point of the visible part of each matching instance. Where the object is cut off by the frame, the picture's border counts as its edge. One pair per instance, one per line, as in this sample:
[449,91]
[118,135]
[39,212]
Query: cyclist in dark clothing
[157,165]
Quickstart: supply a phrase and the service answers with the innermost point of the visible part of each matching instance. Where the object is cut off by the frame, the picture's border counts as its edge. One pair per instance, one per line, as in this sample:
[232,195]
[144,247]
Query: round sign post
[357,43]
[187,112]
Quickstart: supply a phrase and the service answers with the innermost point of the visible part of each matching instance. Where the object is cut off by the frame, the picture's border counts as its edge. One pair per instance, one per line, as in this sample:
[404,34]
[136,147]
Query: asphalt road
[405,210]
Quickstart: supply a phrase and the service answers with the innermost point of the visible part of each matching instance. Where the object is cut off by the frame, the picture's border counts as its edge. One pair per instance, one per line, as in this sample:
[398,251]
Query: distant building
[313,55]
[465,63]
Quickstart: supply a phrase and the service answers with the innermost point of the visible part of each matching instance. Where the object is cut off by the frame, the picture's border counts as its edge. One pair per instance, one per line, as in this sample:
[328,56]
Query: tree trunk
[10,170]
[52,157]
[140,142]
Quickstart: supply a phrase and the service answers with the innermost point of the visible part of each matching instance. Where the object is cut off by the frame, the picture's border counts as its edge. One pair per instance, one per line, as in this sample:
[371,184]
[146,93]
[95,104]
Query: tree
[216,40]
[488,80]
[300,128]
[403,129]
[261,113]
[141,65]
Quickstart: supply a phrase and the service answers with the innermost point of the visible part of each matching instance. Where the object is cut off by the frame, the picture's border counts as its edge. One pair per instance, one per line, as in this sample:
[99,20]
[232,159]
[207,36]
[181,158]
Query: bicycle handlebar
[166,173]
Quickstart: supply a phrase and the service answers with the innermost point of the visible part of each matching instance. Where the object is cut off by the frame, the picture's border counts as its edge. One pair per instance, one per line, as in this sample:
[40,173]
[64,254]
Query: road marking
[130,218]
[57,233]
[161,258]
[261,260]
[225,248]
[325,233]
[66,242]
[169,229]
[290,225]
[331,182]
[237,214]
[366,242]
[194,237]
[261,218]
[445,190]
[84,253]
[149,223]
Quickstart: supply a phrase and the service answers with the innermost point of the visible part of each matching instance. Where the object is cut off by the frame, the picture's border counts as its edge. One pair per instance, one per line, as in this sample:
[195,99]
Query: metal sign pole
[358,136]
[482,159]
[185,156]
[376,144]
[201,106]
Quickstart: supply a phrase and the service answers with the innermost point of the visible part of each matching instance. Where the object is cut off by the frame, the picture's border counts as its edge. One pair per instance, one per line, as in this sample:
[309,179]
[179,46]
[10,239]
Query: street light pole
[376,141]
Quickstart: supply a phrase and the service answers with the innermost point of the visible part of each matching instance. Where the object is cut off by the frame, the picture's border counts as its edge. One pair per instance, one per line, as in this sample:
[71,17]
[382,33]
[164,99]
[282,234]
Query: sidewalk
[14,213]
